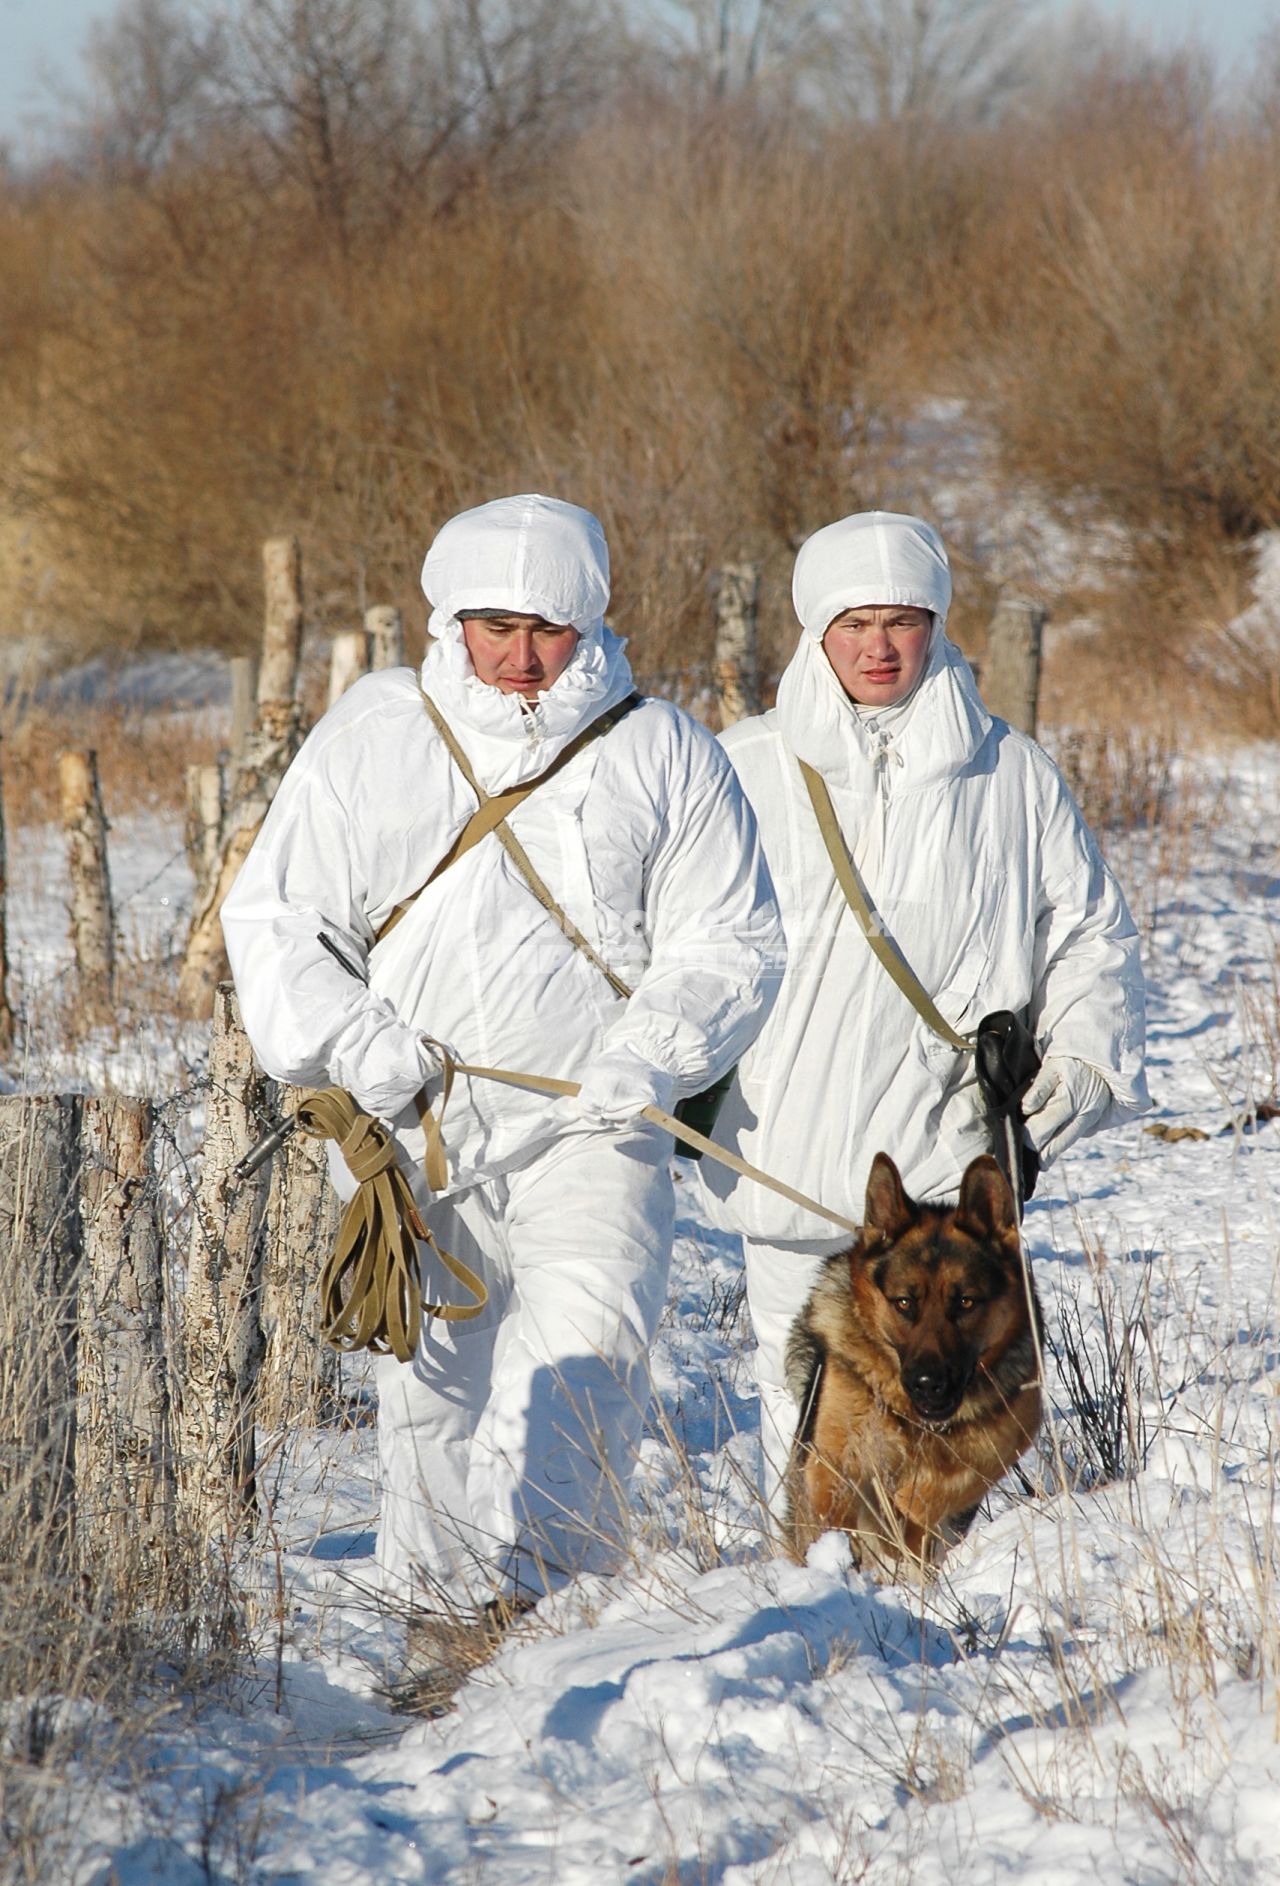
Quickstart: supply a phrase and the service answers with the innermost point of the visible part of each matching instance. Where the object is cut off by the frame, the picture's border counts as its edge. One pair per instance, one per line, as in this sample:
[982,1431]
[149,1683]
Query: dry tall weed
[717,322]
[1136,373]
[114,1619]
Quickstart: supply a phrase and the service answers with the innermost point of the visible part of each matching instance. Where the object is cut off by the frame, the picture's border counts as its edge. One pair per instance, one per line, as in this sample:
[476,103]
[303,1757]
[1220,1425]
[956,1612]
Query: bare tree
[358,102]
[328,95]
[734,44]
[152,68]
[940,59]
[357,105]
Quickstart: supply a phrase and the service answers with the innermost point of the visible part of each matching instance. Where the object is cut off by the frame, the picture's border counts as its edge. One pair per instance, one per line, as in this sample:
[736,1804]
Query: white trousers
[506,1444]
[779,1279]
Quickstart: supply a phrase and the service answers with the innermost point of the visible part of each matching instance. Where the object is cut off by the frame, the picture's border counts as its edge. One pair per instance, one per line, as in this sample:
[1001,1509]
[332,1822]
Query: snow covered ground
[1089,1689]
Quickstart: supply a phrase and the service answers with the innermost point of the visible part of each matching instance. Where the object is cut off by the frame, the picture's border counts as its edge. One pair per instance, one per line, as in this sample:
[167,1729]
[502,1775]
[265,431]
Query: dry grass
[716,325]
[142,759]
[1150,291]
[125,1616]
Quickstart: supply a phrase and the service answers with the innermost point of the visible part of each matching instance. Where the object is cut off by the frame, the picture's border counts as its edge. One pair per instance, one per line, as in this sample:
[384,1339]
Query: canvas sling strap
[1004,1048]
[856,898]
[696,1110]
[491,816]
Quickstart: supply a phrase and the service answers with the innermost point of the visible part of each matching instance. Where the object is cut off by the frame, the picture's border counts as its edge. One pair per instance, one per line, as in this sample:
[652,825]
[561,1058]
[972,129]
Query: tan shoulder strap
[872,928]
[491,814]
[495,821]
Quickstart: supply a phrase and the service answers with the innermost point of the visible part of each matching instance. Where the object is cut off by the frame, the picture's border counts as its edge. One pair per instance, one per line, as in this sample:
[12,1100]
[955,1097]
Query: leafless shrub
[1102,1434]
[1123,782]
[1137,371]
[345,269]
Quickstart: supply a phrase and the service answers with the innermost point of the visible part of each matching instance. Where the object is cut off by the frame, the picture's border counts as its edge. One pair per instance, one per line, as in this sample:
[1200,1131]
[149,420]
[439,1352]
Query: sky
[42,40]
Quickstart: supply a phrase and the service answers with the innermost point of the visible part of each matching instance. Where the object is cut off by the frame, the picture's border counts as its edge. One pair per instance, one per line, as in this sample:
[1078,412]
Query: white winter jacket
[644,838]
[975,856]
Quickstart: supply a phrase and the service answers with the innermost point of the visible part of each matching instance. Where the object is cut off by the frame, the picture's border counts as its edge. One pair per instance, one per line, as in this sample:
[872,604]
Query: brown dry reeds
[1150,298]
[718,322]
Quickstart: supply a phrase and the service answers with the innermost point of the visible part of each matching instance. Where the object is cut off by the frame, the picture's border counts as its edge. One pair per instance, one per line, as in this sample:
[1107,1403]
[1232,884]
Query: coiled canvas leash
[370,1288]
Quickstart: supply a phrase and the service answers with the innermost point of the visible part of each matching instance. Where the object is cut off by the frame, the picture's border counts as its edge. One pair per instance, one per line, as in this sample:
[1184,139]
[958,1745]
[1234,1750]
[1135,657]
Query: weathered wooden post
[348,660]
[299,1371]
[281,636]
[41,1247]
[1011,665]
[385,629]
[124,1457]
[92,917]
[737,597]
[6,1011]
[257,773]
[222,1335]
[203,831]
[244,702]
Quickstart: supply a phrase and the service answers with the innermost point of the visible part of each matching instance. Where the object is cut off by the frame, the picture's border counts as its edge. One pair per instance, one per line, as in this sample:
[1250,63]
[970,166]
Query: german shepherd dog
[914,1364]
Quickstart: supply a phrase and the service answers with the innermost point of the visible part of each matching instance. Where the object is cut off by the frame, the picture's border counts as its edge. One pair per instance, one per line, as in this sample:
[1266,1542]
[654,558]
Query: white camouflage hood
[535,556]
[875,557]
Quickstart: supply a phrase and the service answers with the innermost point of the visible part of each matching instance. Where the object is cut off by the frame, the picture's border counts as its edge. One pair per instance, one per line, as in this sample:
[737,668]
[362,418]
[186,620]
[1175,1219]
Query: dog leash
[547,1084]
[370,1294]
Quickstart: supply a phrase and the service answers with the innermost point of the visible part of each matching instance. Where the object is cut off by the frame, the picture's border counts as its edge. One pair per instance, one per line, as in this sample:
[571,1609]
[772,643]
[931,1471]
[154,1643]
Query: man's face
[518,654]
[878,654]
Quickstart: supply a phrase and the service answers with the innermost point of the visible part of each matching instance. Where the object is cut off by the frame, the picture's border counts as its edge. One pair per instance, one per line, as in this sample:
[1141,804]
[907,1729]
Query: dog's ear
[986,1203]
[889,1211]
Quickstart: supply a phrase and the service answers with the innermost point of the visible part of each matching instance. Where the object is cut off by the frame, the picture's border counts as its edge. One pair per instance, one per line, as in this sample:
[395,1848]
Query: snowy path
[1088,1691]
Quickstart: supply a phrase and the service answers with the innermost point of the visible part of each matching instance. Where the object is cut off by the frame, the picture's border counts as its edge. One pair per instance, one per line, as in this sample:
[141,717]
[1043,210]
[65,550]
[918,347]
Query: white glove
[618,1086]
[1066,1099]
[389,1094]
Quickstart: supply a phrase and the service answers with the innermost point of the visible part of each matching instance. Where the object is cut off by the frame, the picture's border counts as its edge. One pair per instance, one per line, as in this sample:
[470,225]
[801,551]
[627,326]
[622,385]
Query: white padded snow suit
[975,855]
[506,1444]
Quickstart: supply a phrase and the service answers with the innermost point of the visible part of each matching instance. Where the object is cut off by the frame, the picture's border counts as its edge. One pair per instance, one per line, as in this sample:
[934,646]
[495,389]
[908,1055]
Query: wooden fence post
[281,636]
[41,1246]
[299,1371]
[244,702]
[1011,665]
[257,773]
[222,1337]
[737,595]
[203,832]
[385,629]
[6,1011]
[123,1459]
[348,660]
[92,917]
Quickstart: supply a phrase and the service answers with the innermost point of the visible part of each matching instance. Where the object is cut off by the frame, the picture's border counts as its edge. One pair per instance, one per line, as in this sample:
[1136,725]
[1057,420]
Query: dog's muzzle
[935,1391]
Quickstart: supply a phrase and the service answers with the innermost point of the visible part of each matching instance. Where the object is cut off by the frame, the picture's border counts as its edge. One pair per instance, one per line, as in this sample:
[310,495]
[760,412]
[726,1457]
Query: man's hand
[618,1086]
[1066,1099]
[389,1096]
